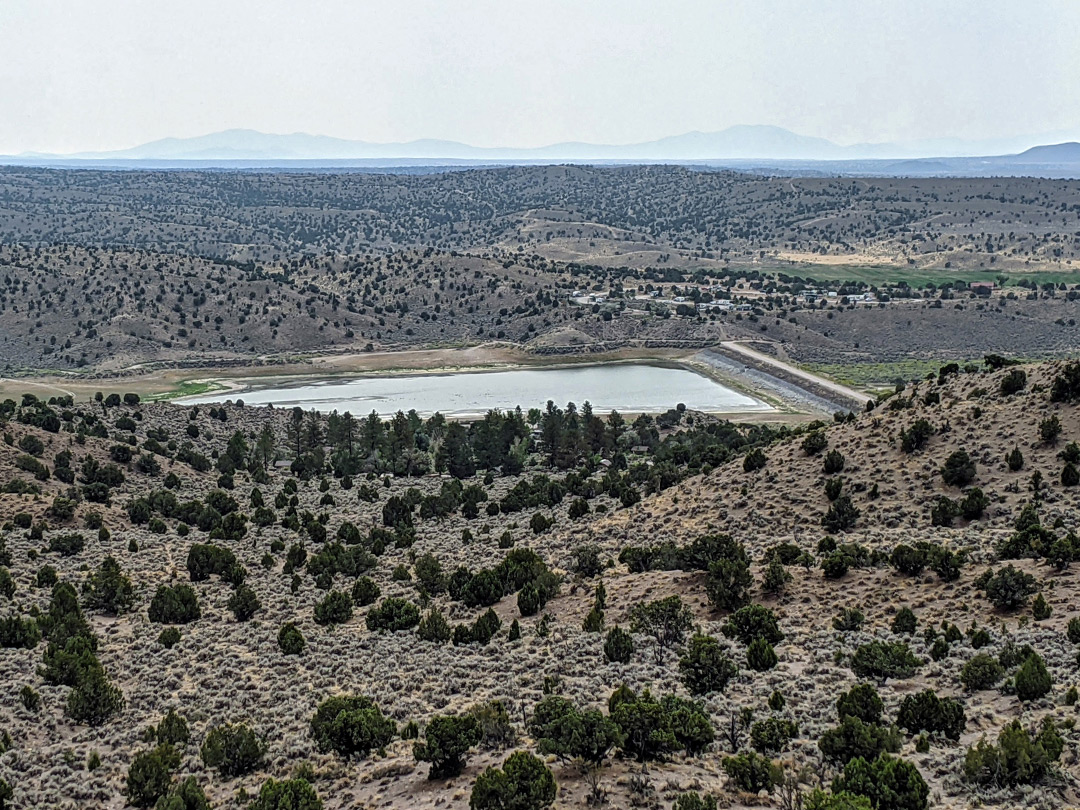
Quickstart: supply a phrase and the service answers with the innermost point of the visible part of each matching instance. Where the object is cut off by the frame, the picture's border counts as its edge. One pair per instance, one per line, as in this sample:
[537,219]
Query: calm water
[629,387]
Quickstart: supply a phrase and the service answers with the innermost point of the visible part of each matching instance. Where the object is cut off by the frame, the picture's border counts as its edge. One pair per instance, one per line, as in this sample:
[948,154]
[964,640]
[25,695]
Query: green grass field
[184,389]
[875,375]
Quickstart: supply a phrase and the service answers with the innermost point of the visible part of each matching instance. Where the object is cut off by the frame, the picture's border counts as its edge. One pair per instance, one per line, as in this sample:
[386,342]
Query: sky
[82,75]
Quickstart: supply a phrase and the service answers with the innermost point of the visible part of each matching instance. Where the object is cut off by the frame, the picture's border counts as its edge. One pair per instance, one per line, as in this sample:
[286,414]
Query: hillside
[111,311]
[636,215]
[264,497]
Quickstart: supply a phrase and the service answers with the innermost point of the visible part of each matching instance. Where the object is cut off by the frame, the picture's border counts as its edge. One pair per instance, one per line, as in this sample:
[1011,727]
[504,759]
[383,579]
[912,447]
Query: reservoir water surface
[625,387]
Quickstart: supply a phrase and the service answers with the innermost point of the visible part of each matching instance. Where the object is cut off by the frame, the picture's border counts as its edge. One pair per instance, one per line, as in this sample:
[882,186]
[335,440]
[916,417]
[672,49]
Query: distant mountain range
[751,143]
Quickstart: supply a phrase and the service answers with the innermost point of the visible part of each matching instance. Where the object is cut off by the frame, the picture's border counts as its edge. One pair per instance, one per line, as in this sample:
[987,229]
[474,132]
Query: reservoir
[625,387]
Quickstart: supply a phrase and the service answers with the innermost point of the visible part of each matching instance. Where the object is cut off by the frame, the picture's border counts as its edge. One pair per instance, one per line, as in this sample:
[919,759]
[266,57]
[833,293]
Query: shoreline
[175,385]
[763,408]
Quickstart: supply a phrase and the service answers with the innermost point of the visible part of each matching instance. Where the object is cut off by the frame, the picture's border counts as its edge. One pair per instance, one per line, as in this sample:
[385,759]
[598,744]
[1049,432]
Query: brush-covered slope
[151,486]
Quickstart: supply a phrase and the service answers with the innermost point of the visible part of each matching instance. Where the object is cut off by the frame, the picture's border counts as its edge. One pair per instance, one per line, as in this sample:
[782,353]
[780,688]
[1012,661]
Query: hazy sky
[106,74]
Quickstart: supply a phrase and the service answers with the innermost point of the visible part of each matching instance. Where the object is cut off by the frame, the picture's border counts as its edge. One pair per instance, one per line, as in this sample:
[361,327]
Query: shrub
[540,523]
[644,725]
[562,730]
[1066,385]
[365,592]
[959,469]
[753,772]
[434,627]
[848,619]
[30,699]
[618,646]
[447,740]
[689,722]
[706,667]
[523,783]
[754,460]
[528,600]
[496,730]
[46,577]
[944,511]
[1019,758]
[173,730]
[232,750]
[149,775]
[334,608]
[16,632]
[760,655]
[94,700]
[1032,679]
[176,605]
[861,701]
[818,799]
[835,565]
[1040,610]
[946,563]
[925,711]
[290,794]
[841,516]
[772,735]
[916,437]
[854,738]
[776,577]
[833,488]
[587,561]
[1050,429]
[1013,382]
[890,783]
[814,442]
[484,589]
[981,672]
[484,628]
[729,579]
[393,614]
[351,726]
[187,795]
[244,603]
[1070,475]
[883,660]
[1008,588]
[594,620]
[753,622]
[834,462]
[429,574]
[290,639]
[973,504]
[203,560]
[169,637]
[67,545]
[904,621]
[1014,459]
[909,560]
[1073,630]
[694,801]
[666,620]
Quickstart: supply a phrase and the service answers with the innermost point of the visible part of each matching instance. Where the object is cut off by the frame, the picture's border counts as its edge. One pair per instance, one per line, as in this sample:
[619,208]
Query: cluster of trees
[639,725]
[71,660]
[724,559]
